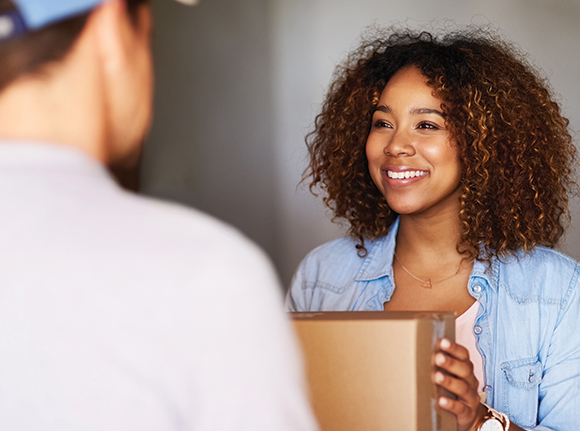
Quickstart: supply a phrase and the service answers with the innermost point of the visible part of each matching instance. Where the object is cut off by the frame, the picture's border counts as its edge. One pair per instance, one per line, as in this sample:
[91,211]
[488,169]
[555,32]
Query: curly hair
[513,143]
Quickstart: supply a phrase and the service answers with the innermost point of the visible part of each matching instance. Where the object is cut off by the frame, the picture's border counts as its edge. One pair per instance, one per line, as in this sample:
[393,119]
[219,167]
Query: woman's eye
[427,126]
[381,124]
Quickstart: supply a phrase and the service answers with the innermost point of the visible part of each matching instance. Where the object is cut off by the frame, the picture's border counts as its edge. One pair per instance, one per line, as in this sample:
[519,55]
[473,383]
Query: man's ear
[113,32]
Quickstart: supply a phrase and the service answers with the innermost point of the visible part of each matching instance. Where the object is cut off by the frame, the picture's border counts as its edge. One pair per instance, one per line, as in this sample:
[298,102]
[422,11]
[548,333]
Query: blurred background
[239,83]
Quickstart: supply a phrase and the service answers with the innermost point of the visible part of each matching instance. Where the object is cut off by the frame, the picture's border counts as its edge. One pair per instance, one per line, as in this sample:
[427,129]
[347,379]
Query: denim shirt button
[477,329]
[487,388]
[477,288]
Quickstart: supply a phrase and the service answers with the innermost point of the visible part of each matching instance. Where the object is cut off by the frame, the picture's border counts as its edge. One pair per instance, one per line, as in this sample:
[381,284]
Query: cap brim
[38,13]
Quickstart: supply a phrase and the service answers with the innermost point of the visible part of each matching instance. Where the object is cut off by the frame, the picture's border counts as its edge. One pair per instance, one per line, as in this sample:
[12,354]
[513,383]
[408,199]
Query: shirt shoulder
[168,218]
[331,263]
[334,277]
[543,274]
[163,228]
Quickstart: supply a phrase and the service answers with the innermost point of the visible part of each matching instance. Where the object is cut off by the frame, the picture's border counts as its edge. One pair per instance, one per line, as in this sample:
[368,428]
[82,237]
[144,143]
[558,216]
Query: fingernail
[439,377]
[439,359]
[443,402]
[445,344]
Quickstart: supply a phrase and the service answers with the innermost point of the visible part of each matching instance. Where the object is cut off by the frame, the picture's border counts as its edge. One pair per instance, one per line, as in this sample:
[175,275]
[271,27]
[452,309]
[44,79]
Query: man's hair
[30,53]
[513,143]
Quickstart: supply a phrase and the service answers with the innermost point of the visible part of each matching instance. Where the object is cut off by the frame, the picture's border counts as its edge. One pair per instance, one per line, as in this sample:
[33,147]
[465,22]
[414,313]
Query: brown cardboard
[371,371]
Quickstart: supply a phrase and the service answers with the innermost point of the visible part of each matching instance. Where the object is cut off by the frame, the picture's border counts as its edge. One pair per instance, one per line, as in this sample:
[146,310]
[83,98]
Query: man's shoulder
[159,217]
[173,229]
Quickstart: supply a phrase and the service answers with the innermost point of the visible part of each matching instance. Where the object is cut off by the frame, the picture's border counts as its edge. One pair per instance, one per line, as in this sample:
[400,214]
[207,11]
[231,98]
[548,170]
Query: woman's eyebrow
[417,111]
[414,111]
[383,108]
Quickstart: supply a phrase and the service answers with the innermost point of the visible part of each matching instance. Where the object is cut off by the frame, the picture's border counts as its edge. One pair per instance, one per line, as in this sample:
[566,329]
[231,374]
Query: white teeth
[405,174]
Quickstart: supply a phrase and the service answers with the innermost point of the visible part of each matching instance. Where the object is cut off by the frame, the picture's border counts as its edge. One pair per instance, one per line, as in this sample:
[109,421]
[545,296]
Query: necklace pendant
[427,284]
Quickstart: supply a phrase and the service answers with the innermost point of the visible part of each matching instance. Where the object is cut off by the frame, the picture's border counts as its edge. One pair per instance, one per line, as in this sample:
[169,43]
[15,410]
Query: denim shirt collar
[379,262]
[488,273]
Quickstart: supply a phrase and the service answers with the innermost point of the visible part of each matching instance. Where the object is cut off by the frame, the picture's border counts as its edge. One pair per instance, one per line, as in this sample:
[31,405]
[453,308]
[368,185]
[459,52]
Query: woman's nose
[399,144]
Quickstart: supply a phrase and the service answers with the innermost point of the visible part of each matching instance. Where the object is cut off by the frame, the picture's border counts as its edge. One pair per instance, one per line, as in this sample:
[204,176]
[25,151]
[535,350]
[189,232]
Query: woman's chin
[405,208]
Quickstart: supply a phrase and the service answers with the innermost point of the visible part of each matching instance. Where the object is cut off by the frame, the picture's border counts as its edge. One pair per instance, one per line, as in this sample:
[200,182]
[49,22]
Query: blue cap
[38,13]
[35,14]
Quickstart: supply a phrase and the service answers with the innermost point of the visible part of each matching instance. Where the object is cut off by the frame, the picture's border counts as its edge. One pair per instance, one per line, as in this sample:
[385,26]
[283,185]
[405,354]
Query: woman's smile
[403,176]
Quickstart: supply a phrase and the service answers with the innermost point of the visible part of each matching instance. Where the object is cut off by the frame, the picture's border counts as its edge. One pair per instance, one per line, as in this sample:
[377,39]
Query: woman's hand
[460,380]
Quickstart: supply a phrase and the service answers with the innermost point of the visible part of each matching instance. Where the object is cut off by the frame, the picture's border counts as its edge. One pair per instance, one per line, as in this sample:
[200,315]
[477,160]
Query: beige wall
[240,81]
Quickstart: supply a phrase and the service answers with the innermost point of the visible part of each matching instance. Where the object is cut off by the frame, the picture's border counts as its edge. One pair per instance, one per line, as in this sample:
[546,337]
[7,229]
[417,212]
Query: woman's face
[412,157]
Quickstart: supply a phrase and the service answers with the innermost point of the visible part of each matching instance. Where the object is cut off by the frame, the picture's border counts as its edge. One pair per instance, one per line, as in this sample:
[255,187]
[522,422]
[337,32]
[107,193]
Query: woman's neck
[429,272]
[429,242]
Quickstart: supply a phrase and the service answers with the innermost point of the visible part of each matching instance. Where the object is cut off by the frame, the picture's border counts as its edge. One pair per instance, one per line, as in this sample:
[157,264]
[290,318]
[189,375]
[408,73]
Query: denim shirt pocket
[326,286]
[521,389]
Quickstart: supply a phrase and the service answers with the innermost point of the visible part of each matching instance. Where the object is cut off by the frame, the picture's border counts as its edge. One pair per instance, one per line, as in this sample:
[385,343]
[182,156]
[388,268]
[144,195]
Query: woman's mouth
[402,175]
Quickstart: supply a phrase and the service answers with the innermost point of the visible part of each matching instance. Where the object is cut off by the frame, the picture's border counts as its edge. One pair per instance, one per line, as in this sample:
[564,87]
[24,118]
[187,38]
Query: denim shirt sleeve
[530,340]
[333,277]
[322,277]
[298,298]
[559,392]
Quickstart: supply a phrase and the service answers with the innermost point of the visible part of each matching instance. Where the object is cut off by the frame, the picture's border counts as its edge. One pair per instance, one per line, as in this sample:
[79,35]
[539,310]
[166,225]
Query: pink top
[465,336]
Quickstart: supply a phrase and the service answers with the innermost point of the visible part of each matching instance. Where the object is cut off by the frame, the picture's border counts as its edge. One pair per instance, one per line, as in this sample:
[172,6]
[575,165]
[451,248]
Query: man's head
[34,33]
[78,73]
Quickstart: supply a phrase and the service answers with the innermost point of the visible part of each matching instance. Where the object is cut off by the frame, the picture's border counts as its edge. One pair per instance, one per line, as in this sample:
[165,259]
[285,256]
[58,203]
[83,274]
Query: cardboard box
[371,371]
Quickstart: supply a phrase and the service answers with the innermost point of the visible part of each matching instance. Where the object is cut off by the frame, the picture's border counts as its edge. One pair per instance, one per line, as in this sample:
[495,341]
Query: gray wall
[239,84]
[211,142]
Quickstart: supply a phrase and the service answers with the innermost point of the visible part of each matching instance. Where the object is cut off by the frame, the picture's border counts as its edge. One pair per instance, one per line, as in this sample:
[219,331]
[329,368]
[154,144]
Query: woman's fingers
[455,350]
[458,387]
[466,416]
[454,359]
[460,369]
[455,373]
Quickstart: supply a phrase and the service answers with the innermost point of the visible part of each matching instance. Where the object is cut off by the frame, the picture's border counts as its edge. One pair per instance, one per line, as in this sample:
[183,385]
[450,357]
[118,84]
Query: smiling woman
[452,163]
[412,157]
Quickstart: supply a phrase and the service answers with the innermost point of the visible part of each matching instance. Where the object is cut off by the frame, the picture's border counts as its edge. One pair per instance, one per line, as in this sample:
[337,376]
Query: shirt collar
[379,261]
[48,159]
[484,272]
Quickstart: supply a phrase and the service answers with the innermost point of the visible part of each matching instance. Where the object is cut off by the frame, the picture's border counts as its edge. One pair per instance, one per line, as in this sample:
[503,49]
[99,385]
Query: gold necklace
[428,284]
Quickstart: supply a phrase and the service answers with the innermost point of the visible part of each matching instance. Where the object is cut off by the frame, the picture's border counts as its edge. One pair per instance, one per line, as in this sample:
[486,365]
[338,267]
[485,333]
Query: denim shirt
[527,327]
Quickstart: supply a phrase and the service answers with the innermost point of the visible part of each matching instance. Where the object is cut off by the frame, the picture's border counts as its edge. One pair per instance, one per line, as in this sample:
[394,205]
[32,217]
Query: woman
[451,162]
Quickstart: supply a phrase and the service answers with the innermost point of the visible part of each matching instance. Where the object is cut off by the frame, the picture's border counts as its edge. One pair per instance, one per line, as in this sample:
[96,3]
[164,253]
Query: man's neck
[61,105]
